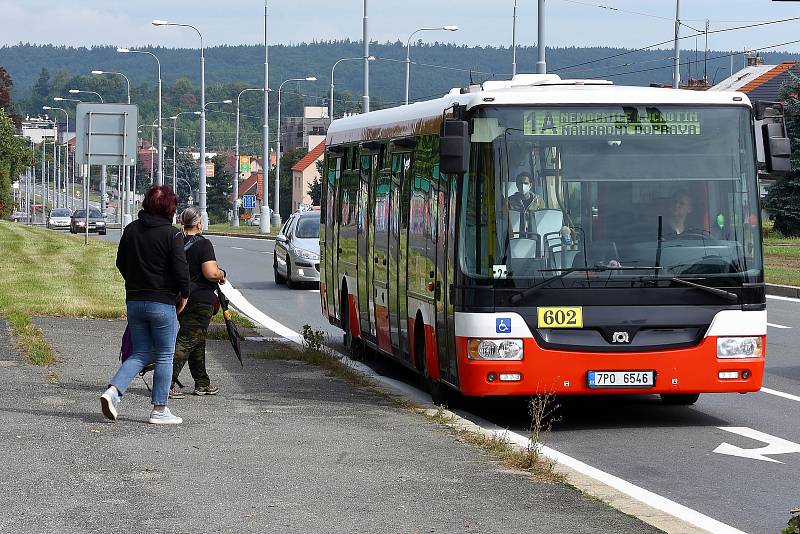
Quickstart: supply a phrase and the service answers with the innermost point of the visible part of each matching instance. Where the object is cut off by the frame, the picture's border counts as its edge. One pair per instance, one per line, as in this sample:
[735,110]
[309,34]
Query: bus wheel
[440,393]
[686,399]
[278,278]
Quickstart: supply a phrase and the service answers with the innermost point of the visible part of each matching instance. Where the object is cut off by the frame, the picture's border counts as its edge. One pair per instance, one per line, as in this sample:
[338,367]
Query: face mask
[526,189]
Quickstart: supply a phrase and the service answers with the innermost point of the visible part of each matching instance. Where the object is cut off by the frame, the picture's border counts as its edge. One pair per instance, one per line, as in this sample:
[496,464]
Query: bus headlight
[739,347]
[494,349]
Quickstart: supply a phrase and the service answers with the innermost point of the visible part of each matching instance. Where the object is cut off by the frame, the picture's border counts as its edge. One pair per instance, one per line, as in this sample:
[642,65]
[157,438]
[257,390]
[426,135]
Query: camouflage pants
[191,343]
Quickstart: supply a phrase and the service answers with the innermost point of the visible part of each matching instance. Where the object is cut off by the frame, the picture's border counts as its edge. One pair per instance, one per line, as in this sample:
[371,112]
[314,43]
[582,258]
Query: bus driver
[524,202]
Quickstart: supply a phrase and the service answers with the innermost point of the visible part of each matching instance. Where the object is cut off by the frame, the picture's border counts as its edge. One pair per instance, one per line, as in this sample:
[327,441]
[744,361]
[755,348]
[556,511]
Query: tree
[315,191]
[218,191]
[783,198]
[14,154]
[40,95]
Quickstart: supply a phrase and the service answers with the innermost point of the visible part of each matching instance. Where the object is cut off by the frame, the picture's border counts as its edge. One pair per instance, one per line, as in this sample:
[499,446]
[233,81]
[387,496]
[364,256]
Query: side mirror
[454,147]
[774,138]
[281,238]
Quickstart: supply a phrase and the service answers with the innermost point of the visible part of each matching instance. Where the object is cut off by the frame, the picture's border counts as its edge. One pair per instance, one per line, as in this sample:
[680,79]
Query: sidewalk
[283,448]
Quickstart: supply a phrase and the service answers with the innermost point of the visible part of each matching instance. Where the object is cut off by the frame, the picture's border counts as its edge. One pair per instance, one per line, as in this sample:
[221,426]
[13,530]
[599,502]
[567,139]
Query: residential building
[298,130]
[37,128]
[304,172]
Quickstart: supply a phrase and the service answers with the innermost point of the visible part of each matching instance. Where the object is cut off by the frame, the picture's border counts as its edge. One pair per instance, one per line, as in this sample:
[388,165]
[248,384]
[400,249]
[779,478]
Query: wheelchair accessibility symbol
[503,325]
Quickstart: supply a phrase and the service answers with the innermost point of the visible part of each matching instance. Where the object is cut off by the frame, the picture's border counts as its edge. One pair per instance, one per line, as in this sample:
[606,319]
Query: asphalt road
[665,449]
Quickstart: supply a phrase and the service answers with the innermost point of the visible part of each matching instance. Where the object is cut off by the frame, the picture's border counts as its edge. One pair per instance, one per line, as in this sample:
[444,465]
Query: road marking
[780,394]
[778,297]
[773,445]
[266,252]
[237,248]
[777,325]
[647,497]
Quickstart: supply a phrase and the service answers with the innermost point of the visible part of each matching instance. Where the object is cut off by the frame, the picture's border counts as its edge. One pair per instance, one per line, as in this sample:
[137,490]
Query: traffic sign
[249,202]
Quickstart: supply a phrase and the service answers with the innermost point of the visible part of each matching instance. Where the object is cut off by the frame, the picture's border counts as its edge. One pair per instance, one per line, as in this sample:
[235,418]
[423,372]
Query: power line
[721,30]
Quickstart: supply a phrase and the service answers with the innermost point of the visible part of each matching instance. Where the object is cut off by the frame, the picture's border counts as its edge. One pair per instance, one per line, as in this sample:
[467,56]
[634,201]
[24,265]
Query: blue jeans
[154,328]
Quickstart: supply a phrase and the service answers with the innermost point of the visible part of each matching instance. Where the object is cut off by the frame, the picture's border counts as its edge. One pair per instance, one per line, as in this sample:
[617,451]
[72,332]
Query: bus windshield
[657,191]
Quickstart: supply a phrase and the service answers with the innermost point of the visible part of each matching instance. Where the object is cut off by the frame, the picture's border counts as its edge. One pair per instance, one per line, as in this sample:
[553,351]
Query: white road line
[266,252]
[778,297]
[777,325]
[780,394]
[645,496]
[237,248]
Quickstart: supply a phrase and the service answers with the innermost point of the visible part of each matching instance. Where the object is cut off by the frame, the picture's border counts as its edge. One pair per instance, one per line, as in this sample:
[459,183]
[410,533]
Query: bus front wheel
[441,395]
[685,399]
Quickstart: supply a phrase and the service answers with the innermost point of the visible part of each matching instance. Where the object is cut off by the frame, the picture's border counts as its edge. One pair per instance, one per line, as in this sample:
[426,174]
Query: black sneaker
[210,389]
[176,393]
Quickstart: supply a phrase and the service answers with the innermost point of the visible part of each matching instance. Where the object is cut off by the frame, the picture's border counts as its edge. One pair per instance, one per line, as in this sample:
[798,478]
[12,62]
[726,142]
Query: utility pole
[676,60]
[365,98]
[264,222]
[705,57]
[514,43]
[541,64]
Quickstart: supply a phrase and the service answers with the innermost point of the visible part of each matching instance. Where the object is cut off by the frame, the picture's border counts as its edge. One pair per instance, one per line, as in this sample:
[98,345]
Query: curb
[783,291]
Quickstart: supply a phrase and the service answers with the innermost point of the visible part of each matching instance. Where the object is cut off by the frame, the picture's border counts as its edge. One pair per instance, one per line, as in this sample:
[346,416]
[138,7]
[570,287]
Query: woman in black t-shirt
[205,275]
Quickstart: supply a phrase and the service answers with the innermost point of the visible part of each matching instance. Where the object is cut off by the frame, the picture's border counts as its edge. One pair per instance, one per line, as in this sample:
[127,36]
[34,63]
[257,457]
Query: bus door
[331,231]
[366,229]
[445,262]
[380,258]
[395,203]
[398,249]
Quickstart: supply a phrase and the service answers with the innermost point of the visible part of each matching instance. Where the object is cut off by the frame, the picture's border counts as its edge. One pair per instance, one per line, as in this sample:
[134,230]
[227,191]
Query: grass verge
[244,230]
[782,265]
[31,340]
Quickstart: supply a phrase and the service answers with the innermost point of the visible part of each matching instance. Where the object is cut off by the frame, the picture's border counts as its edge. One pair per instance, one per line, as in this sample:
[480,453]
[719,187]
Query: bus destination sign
[591,123]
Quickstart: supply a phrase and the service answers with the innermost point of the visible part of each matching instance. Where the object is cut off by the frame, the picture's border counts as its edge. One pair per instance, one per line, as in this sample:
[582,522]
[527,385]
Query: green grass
[245,230]
[30,339]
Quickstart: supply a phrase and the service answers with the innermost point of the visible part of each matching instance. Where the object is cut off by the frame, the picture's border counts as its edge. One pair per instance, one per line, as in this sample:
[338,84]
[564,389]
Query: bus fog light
[491,377]
[494,349]
[728,375]
[510,377]
[746,374]
[739,347]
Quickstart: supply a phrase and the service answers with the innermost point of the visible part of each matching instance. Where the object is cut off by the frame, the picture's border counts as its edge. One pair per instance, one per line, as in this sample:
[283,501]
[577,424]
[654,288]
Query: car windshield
[60,212]
[551,189]
[93,214]
[307,228]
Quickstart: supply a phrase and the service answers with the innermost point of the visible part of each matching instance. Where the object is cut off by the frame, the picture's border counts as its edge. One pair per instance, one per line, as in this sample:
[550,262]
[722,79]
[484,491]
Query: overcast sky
[481,22]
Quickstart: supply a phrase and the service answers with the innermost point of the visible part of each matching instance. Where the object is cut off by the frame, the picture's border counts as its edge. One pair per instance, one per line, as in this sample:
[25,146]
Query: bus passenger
[524,202]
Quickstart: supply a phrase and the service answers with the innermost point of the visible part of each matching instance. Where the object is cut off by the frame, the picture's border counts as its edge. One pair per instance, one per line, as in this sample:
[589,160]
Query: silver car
[296,257]
[60,219]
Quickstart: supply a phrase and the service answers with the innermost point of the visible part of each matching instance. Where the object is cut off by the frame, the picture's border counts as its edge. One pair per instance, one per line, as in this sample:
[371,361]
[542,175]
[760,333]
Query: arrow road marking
[774,445]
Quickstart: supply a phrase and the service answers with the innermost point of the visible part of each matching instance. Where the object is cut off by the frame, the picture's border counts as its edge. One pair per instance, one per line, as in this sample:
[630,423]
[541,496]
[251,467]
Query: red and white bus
[546,235]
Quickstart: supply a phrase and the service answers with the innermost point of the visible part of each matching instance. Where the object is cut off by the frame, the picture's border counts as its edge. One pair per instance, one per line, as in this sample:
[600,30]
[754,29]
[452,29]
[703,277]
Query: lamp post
[174,152]
[514,42]
[235,218]
[160,177]
[127,81]
[203,205]
[78,92]
[365,28]
[66,117]
[189,198]
[276,216]
[72,197]
[330,106]
[408,50]
[263,225]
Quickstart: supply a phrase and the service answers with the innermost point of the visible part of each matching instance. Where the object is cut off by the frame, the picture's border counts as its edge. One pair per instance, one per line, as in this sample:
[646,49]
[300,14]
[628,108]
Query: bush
[783,203]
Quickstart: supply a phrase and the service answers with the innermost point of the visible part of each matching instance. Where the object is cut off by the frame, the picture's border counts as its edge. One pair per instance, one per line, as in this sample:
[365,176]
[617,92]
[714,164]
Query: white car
[296,257]
[59,219]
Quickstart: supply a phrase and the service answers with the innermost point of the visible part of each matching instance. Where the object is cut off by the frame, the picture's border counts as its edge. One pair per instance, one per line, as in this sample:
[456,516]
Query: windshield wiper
[564,272]
[728,295]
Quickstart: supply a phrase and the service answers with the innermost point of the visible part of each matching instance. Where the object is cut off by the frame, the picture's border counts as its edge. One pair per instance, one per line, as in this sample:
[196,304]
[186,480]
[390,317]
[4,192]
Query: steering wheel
[689,233]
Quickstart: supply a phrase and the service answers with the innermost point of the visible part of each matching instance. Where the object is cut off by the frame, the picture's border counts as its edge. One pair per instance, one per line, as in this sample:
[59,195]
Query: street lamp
[174,155]
[235,219]
[408,50]
[276,216]
[203,205]
[66,163]
[330,107]
[160,180]
[77,92]
[228,101]
[127,81]
[61,99]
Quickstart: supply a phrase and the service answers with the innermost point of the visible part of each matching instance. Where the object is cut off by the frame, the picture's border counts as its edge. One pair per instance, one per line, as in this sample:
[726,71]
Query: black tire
[279,279]
[441,395]
[291,284]
[102,233]
[679,399]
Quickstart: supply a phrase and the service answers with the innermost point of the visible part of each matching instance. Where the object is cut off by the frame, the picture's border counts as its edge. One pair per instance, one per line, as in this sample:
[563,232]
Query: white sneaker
[108,403]
[164,418]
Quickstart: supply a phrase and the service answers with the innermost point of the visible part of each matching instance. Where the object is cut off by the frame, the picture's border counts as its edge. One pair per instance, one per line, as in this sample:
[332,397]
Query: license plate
[621,379]
[560,317]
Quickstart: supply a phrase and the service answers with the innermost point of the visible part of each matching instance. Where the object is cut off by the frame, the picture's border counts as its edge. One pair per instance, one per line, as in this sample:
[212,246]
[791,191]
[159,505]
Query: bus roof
[524,89]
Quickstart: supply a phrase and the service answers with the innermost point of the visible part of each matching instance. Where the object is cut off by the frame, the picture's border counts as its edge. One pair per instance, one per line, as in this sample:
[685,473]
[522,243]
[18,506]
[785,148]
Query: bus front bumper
[542,371]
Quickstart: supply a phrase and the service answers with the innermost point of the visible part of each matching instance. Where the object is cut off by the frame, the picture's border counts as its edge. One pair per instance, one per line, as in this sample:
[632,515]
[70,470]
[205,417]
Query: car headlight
[81,223]
[306,254]
[494,349]
[739,347]
[100,223]
[51,221]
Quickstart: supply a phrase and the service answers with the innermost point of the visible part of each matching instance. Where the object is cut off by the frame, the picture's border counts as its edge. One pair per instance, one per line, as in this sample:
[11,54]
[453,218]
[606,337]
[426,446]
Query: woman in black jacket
[151,259]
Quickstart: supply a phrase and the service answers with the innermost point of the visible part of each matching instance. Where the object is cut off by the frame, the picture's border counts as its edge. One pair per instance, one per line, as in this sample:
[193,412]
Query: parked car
[19,216]
[255,220]
[96,222]
[296,257]
[59,219]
